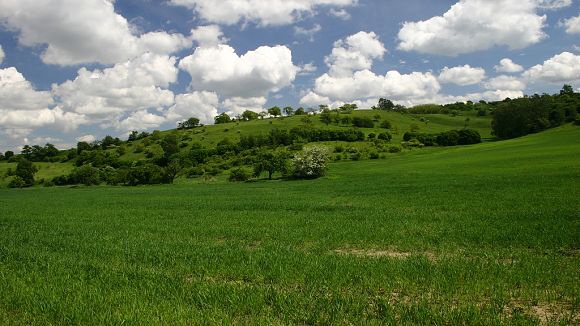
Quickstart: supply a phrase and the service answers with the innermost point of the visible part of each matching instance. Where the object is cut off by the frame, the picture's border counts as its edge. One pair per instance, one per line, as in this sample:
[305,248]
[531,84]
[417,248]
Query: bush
[240,175]
[86,175]
[386,124]
[468,137]
[311,163]
[448,138]
[17,182]
[394,149]
[385,136]
[372,136]
[374,156]
[363,122]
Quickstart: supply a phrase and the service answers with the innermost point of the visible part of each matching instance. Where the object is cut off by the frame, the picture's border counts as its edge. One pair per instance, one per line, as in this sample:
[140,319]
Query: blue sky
[75,70]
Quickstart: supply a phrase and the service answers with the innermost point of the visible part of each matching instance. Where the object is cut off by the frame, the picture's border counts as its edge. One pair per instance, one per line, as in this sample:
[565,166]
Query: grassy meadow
[482,234]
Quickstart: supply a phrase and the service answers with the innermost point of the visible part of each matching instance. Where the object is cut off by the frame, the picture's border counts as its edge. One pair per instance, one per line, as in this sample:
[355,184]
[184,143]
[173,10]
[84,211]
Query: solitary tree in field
[222,118]
[288,111]
[275,111]
[26,171]
[189,124]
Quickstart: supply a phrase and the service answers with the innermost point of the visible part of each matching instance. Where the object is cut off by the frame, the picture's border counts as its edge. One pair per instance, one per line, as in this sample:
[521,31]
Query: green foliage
[17,182]
[26,171]
[384,104]
[386,136]
[447,138]
[86,175]
[249,115]
[239,175]
[386,124]
[188,124]
[144,174]
[289,111]
[222,118]
[275,111]
[363,122]
[271,162]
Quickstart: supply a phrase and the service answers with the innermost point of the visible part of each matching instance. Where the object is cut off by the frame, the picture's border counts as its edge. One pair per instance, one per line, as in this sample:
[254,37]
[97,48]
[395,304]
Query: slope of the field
[210,135]
[482,234]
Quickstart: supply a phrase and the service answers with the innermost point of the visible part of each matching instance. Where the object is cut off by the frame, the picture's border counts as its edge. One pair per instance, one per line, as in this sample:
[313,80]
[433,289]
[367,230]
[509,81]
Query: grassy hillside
[210,135]
[482,234]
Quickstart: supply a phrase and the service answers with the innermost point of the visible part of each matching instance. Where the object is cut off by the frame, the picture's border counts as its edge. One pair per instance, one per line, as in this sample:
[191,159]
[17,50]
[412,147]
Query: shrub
[372,136]
[386,124]
[86,175]
[468,137]
[17,182]
[394,149]
[363,122]
[385,136]
[448,138]
[311,163]
[240,175]
[374,156]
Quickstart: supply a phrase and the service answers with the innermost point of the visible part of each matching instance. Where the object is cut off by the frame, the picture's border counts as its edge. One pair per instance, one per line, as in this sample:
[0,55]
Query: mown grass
[482,234]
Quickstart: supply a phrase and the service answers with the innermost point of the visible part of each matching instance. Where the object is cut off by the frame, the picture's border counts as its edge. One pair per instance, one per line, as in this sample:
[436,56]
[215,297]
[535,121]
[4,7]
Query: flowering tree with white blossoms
[311,163]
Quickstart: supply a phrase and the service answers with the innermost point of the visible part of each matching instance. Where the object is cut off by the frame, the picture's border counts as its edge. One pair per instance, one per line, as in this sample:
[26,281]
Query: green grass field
[482,234]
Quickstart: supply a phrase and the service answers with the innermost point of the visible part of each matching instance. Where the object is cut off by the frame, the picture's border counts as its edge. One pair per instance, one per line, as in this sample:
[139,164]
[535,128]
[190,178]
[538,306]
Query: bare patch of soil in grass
[391,253]
[546,313]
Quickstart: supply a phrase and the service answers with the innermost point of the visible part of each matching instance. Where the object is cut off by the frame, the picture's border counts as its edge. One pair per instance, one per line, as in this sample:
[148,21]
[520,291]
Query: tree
[386,124]
[8,155]
[83,146]
[275,111]
[222,118]
[249,115]
[170,145]
[189,124]
[311,163]
[567,90]
[385,104]
[300,111]
[270,162]
[288,111]
[26,170]
[326,117]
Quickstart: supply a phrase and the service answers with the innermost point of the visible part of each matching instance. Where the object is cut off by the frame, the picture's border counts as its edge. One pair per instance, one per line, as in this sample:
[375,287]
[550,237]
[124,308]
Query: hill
[482,234]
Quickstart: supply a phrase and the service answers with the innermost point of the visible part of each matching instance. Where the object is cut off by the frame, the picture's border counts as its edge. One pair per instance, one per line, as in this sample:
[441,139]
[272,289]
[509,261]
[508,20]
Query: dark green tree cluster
[519,117]
[190,123]
[23,176]
[447,138]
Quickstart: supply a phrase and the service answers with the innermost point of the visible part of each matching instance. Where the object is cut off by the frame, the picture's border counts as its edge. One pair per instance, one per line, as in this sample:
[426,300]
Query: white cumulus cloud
[261,12]
[560,69]
[356,52]
[506,83]
[77,32]
[209,35]
[474,25]
[506,65]
[219,69]
[553,4]
[202,105]
[572,25]
[462,75]
[134,85]
[237,105]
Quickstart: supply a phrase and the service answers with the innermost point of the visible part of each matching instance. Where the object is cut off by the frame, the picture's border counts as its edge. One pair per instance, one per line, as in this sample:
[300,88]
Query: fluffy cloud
[463,75]
[474,25]
[312,99]
[1,54]
[209,35]
[17,94]
[572,25]
[139,120]
[262,12]
[560,69]
[508,66]
[356,52]
[68,28]
[135,85]
[86,138]
[254,74]
[22,108]
[366,84]
[506,83]
[237,105]
[202,105]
